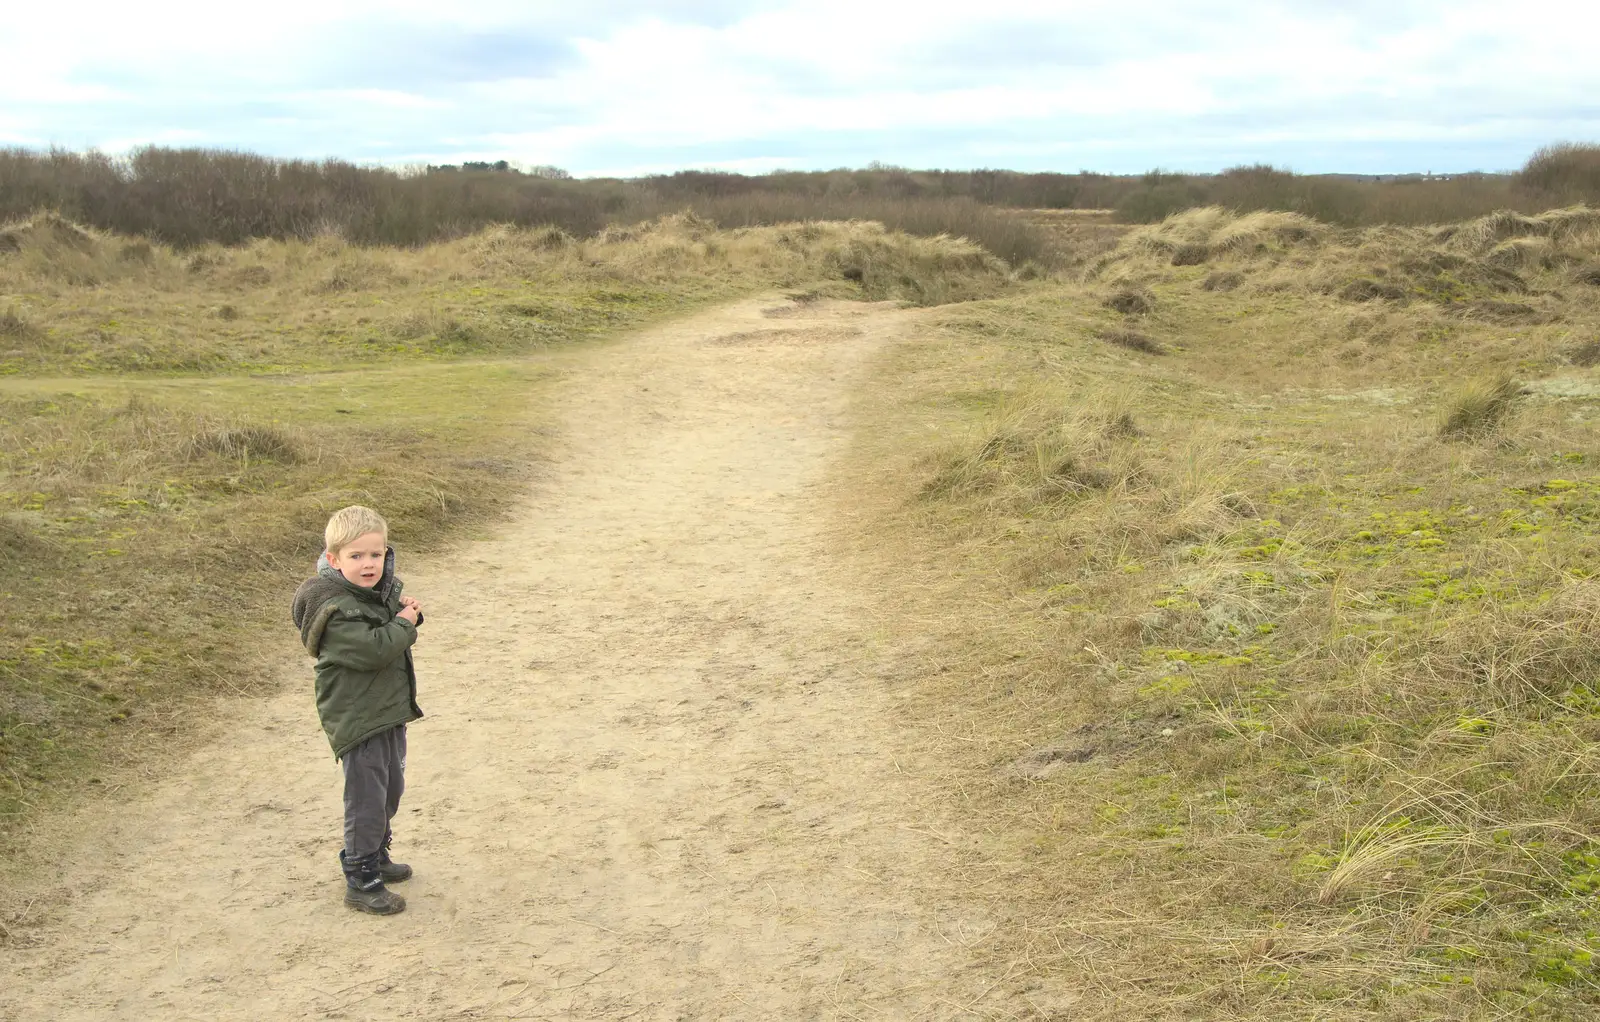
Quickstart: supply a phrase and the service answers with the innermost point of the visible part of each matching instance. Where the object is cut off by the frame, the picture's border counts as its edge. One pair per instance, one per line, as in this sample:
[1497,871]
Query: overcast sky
[625,87]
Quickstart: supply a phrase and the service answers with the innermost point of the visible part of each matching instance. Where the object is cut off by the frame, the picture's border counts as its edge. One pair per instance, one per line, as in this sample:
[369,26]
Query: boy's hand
[410,610]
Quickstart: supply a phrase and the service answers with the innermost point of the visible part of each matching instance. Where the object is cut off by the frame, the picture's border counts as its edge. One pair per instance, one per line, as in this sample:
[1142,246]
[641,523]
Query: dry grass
[1273,703]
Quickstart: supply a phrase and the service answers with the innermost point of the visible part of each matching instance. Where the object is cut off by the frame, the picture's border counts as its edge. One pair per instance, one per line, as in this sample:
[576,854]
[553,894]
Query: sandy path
[656,779]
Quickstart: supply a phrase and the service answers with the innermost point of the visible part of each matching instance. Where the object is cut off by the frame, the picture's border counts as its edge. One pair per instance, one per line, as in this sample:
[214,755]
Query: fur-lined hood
[313,601]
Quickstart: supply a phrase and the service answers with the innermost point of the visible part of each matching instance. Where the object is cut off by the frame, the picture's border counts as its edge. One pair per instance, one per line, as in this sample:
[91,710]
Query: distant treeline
[1557,175]
[187,197]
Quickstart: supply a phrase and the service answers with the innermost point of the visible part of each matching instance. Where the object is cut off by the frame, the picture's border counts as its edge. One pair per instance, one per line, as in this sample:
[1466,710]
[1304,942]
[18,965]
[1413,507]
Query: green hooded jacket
[365,679]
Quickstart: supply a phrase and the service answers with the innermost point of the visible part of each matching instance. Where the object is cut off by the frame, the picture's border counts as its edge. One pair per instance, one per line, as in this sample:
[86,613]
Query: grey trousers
[374,780]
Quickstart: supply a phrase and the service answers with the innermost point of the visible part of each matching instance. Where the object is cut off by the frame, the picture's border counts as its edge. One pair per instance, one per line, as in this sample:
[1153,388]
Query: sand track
[657,779]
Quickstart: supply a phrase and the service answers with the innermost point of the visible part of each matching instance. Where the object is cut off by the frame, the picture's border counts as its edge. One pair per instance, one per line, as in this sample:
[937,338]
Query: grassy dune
[175,428]
[1265,555]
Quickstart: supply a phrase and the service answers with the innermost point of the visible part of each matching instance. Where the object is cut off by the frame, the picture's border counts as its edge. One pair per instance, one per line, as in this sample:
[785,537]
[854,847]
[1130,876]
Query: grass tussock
[1130,300]
[1281,701]
[1479,408]
[1038,453]
[245,443]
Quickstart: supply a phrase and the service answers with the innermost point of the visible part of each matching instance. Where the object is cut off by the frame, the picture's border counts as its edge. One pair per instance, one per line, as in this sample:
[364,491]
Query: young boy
[353,618]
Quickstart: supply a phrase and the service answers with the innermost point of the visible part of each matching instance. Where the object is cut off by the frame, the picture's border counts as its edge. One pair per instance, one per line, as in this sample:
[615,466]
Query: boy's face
[361,560]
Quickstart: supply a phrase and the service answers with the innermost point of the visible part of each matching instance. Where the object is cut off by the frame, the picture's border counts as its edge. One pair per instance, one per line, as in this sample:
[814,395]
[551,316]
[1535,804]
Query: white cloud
[629,86]
[384,99]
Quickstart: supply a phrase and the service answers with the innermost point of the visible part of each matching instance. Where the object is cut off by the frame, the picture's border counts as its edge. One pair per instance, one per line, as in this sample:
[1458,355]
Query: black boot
[363,886]
[391,871]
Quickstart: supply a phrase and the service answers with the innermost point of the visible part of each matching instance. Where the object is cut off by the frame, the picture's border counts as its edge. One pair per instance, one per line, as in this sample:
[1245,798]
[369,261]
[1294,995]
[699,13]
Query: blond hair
[349,523]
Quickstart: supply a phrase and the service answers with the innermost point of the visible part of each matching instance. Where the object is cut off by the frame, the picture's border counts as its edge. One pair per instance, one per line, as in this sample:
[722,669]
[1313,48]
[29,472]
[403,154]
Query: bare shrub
[1158,196]
[1567,171]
